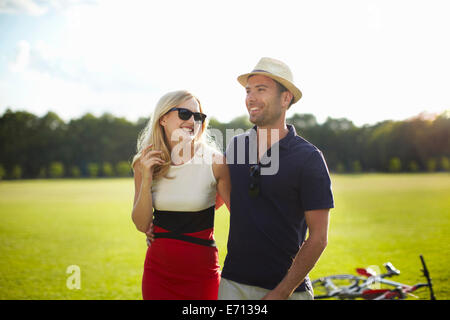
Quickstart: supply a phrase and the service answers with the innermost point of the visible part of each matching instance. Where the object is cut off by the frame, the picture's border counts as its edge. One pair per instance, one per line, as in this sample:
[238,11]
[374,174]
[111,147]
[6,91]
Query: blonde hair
[153,132]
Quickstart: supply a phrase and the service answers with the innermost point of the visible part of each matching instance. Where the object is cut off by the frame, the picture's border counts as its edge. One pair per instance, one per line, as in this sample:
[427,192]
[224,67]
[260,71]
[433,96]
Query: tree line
[90,146]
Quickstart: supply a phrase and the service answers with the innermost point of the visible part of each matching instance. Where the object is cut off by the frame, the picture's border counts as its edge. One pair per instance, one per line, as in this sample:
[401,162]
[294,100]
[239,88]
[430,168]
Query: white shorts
[231,290]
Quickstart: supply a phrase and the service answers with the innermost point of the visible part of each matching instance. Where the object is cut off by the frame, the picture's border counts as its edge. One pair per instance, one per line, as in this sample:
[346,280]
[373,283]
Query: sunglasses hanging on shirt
[255,173]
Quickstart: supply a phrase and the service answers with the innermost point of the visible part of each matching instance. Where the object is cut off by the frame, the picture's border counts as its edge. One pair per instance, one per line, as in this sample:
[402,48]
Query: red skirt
[180,270]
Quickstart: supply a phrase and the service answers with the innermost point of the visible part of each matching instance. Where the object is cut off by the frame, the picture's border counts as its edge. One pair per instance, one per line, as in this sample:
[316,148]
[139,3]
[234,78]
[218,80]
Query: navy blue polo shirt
[267,230]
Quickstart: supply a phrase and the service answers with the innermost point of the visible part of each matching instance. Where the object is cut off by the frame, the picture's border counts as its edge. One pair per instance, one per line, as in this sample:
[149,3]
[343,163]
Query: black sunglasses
[186,114]
[255,173]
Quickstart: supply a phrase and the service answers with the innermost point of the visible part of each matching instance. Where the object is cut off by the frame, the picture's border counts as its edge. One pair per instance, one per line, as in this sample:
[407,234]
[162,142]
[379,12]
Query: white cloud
[22,58]
[22,6]
[40,7]
[51,61]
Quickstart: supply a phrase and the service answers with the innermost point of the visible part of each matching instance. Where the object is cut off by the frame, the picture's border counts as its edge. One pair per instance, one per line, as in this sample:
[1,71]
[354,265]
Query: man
[280,189]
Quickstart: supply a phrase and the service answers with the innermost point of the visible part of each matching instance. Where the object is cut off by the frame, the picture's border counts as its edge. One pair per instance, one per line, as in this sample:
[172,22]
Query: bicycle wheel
[337,286]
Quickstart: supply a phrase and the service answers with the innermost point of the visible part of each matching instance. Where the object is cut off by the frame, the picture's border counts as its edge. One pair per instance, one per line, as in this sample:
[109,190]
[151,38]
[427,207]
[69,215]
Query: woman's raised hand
[148,161]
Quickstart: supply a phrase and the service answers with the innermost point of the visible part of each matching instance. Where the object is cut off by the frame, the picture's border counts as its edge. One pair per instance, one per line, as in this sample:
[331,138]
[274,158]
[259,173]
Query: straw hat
[278,71]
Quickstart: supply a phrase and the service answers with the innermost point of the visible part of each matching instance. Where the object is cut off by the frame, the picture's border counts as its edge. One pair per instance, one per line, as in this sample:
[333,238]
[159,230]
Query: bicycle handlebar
[391,269]
[359,287]
[427,276]
[400,291]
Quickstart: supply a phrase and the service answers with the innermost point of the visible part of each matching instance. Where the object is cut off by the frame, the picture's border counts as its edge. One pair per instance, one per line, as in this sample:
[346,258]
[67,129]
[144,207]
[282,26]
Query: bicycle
[347,286]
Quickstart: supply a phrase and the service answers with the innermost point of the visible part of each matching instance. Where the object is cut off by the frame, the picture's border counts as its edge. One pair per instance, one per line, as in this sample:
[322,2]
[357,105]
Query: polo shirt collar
[285,142]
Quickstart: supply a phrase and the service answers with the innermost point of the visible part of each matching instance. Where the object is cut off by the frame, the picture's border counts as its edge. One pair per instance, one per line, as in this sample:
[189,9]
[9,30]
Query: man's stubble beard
[266,118]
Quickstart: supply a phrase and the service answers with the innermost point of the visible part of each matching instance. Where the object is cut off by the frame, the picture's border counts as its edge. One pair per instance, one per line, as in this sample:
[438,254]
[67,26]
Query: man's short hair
[282,89]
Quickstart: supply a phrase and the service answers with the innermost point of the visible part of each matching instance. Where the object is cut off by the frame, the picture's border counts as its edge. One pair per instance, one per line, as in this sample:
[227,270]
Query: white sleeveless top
[193,187]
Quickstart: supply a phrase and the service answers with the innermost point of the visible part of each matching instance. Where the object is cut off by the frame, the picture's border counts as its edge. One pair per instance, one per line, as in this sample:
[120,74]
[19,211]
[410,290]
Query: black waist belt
[183,237]
[179,222]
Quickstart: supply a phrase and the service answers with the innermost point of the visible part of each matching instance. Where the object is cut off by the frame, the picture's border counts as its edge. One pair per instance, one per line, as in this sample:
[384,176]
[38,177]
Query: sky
[363,60]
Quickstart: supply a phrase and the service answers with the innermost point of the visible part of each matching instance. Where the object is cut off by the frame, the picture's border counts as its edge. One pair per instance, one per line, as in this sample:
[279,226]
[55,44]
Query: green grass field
[48,225]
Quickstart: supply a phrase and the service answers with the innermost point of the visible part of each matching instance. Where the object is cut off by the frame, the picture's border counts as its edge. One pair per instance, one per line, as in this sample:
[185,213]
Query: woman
[183,175]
